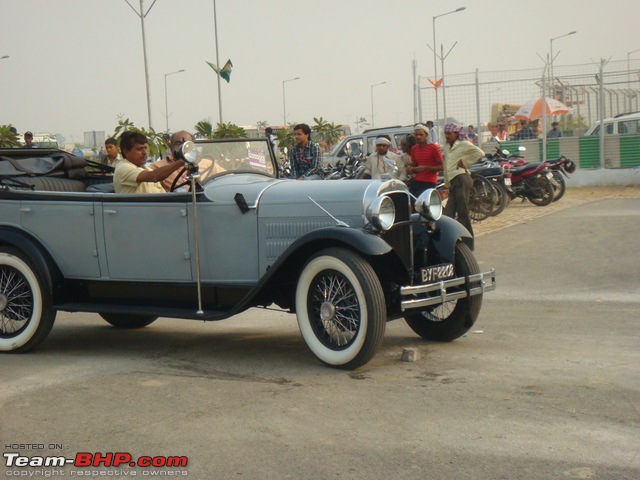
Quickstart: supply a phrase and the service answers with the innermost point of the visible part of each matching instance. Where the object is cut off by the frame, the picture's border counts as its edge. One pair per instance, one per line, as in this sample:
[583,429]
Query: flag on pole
[437,83]
[224,72]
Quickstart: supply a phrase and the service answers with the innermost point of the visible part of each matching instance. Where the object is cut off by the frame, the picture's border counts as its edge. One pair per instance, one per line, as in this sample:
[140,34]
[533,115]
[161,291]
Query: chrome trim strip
[487,283]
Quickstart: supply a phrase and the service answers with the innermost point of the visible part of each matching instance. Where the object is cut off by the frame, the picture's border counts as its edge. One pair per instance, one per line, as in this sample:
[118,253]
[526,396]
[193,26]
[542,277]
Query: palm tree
[204,129]
[229,130]
[8,138]
[285,139]
[262,124]
[332,134]
[360,122]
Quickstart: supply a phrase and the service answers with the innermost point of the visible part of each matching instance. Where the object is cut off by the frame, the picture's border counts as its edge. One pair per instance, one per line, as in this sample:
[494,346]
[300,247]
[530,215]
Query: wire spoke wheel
[450,320]
[336,309]
[341,308]
[26,315]
[481,199]
[16,301]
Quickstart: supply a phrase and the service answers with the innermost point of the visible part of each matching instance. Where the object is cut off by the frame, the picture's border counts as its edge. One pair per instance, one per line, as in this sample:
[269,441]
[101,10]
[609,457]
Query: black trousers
[458,205]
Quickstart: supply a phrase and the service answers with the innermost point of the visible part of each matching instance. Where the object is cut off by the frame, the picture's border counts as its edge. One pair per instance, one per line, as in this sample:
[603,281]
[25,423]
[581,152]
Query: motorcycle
[345,171]
[560,167]
[500,182]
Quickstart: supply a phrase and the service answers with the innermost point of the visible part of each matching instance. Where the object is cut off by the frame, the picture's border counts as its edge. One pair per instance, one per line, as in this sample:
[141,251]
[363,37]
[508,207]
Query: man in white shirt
[382,164]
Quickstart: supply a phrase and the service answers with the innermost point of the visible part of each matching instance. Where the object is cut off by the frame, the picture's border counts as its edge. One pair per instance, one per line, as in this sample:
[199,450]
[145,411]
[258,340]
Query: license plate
[437,273]
[507,181]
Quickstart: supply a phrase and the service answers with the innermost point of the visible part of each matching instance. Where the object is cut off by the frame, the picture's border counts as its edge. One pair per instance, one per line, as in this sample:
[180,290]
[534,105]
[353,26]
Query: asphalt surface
[546,385]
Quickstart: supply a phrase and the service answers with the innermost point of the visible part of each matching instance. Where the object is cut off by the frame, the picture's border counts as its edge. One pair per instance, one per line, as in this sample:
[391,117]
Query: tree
[8,138]
[361,122]
[262,124]
[326,133]
[229,130]
[204,129]
[285,139]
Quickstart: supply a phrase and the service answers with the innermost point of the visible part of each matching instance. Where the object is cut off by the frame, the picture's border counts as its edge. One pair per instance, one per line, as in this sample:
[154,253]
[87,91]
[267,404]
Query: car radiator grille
[400,236]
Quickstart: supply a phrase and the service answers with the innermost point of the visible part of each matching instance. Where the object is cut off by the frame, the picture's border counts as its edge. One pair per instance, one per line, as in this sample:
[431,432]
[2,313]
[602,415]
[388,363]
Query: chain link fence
[594,92]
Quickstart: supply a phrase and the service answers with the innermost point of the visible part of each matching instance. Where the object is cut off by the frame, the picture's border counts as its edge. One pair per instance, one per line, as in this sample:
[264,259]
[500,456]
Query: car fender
[443,238]
[39,259]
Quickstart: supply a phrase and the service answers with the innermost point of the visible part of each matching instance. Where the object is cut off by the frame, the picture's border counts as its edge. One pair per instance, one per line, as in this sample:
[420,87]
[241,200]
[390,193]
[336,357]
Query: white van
[622,124]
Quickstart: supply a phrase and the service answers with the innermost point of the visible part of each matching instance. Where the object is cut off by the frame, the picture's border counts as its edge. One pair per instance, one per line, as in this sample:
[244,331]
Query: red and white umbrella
[533,109]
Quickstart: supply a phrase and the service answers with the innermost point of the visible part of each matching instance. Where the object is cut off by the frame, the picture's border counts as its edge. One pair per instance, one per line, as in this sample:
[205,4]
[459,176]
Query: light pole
[7,56]
[551,57]
[144,52]
[284,101]
[628,78]
[375,85]
[166,98]
[215,32]
[435,62]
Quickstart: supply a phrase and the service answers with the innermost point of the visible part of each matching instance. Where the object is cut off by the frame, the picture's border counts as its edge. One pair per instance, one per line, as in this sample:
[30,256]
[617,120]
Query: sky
[77,65]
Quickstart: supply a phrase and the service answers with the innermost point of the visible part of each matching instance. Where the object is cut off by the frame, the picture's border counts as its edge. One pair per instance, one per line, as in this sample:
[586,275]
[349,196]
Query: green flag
[224,72]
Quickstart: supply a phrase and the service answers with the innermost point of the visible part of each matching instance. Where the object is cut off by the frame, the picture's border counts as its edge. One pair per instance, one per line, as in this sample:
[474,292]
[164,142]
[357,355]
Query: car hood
[346,200]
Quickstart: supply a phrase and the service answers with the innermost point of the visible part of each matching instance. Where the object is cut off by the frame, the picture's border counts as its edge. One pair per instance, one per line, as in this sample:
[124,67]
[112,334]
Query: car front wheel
[26,315]
[453,319]
[341,308]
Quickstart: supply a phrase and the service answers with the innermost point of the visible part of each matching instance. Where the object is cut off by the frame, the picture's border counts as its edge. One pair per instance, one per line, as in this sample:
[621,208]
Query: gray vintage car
[345,257]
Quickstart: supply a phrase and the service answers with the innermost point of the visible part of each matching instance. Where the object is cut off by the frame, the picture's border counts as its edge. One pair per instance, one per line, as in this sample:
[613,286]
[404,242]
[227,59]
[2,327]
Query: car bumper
[421,296]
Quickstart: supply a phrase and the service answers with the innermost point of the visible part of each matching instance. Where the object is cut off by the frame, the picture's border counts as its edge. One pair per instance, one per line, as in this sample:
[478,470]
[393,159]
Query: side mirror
[505,152]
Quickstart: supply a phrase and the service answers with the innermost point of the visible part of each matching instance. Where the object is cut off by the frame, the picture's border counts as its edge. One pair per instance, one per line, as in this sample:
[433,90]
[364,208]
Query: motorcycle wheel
[559,191]
[481,198]
[539,191]
[450,320]
[501,198]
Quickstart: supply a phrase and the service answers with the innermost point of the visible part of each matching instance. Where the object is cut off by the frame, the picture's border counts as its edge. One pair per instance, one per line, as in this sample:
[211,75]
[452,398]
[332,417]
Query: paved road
[546,386]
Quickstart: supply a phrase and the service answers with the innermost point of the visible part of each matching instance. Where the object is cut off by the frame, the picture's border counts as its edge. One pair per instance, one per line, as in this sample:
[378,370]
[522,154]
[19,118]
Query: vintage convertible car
[345,257]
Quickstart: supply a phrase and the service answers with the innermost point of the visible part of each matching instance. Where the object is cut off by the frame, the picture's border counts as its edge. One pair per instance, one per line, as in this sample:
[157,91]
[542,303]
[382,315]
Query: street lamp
[628,67]
[551,53]
[144,52]
[284,102]
[435,63]
[381,83]
[166,101]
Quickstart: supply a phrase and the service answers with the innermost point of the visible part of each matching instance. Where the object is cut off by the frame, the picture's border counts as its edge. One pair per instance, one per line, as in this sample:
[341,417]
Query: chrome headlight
[429,204]
[381,213]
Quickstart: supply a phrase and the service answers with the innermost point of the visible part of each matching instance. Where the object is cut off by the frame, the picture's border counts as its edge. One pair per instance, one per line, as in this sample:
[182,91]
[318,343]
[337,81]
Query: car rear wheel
[450,320]
[127,320]
[341,308]
[26,313]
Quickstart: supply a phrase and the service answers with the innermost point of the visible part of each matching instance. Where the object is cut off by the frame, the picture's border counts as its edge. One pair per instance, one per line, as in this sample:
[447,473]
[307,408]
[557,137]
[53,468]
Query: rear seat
[54,184]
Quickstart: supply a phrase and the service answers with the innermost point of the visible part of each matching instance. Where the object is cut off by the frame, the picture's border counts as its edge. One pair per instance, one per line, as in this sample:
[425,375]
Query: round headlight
[381,213]
[429,204]
[187,152]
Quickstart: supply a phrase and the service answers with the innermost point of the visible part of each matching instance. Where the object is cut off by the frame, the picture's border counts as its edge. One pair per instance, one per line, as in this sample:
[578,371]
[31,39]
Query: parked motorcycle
[500,180]
[560,167]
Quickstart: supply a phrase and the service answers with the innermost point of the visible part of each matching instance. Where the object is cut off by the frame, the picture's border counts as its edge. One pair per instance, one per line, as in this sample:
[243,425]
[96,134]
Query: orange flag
[436,83]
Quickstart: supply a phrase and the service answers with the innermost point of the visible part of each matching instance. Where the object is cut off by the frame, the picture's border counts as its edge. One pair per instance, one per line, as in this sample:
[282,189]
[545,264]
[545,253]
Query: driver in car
[132,175]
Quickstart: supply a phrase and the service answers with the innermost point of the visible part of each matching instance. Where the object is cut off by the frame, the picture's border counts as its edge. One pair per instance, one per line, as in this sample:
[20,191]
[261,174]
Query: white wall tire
[340,308]
[26,316]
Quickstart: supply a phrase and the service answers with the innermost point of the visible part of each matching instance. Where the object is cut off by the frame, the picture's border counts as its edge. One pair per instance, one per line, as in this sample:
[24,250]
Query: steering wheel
[174,184]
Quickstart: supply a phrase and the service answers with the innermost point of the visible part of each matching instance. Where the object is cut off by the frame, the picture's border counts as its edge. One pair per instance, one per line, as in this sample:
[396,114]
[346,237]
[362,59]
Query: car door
[146,238]
[67,230]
